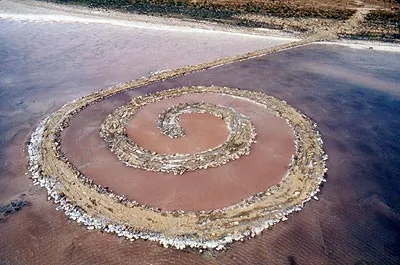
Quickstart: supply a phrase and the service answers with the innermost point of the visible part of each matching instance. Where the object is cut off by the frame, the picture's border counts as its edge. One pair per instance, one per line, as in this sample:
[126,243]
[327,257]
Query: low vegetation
[299,16]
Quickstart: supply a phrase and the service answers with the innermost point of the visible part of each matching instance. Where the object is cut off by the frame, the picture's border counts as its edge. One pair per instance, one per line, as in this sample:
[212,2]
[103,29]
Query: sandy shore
[50,12]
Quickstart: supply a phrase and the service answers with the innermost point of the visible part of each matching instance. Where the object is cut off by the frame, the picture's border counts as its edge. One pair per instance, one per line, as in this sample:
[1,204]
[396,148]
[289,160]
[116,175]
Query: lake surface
[353,95]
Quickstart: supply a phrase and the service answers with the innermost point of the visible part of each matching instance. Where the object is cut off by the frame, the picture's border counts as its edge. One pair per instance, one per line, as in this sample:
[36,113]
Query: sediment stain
[291,260]
[11,208]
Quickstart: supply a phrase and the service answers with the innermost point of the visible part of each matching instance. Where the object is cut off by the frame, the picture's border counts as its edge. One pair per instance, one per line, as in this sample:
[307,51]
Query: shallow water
[357,218]
[353,95]
[47,64]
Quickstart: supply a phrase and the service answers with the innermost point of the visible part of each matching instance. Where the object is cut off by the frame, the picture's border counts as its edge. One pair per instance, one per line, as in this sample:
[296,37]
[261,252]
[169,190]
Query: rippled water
[354,96]
[46,64]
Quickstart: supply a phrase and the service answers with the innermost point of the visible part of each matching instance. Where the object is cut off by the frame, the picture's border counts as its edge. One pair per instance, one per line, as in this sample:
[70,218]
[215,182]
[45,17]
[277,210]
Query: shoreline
[39,11]
[32,10]
[359,20]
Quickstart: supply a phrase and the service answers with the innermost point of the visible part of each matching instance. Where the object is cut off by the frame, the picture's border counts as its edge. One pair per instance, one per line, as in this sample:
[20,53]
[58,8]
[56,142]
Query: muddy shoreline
[380,21]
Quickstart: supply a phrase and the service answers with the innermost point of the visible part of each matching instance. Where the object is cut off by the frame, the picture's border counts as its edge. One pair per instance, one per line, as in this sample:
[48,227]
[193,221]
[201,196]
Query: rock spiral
[241,136]
[99,207]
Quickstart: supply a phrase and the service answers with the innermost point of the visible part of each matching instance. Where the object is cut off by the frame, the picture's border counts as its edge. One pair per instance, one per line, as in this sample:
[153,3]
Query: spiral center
[113,130]
[202,131]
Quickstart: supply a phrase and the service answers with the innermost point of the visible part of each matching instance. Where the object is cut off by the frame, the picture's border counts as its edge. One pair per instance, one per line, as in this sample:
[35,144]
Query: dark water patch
[364,147]
[332,143]
[392,248]
[291,260]
[363,262]
[12,208]
[390,222]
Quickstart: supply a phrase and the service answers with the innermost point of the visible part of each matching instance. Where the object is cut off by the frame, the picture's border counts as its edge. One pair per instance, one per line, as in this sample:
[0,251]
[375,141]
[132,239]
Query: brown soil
[295,16]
